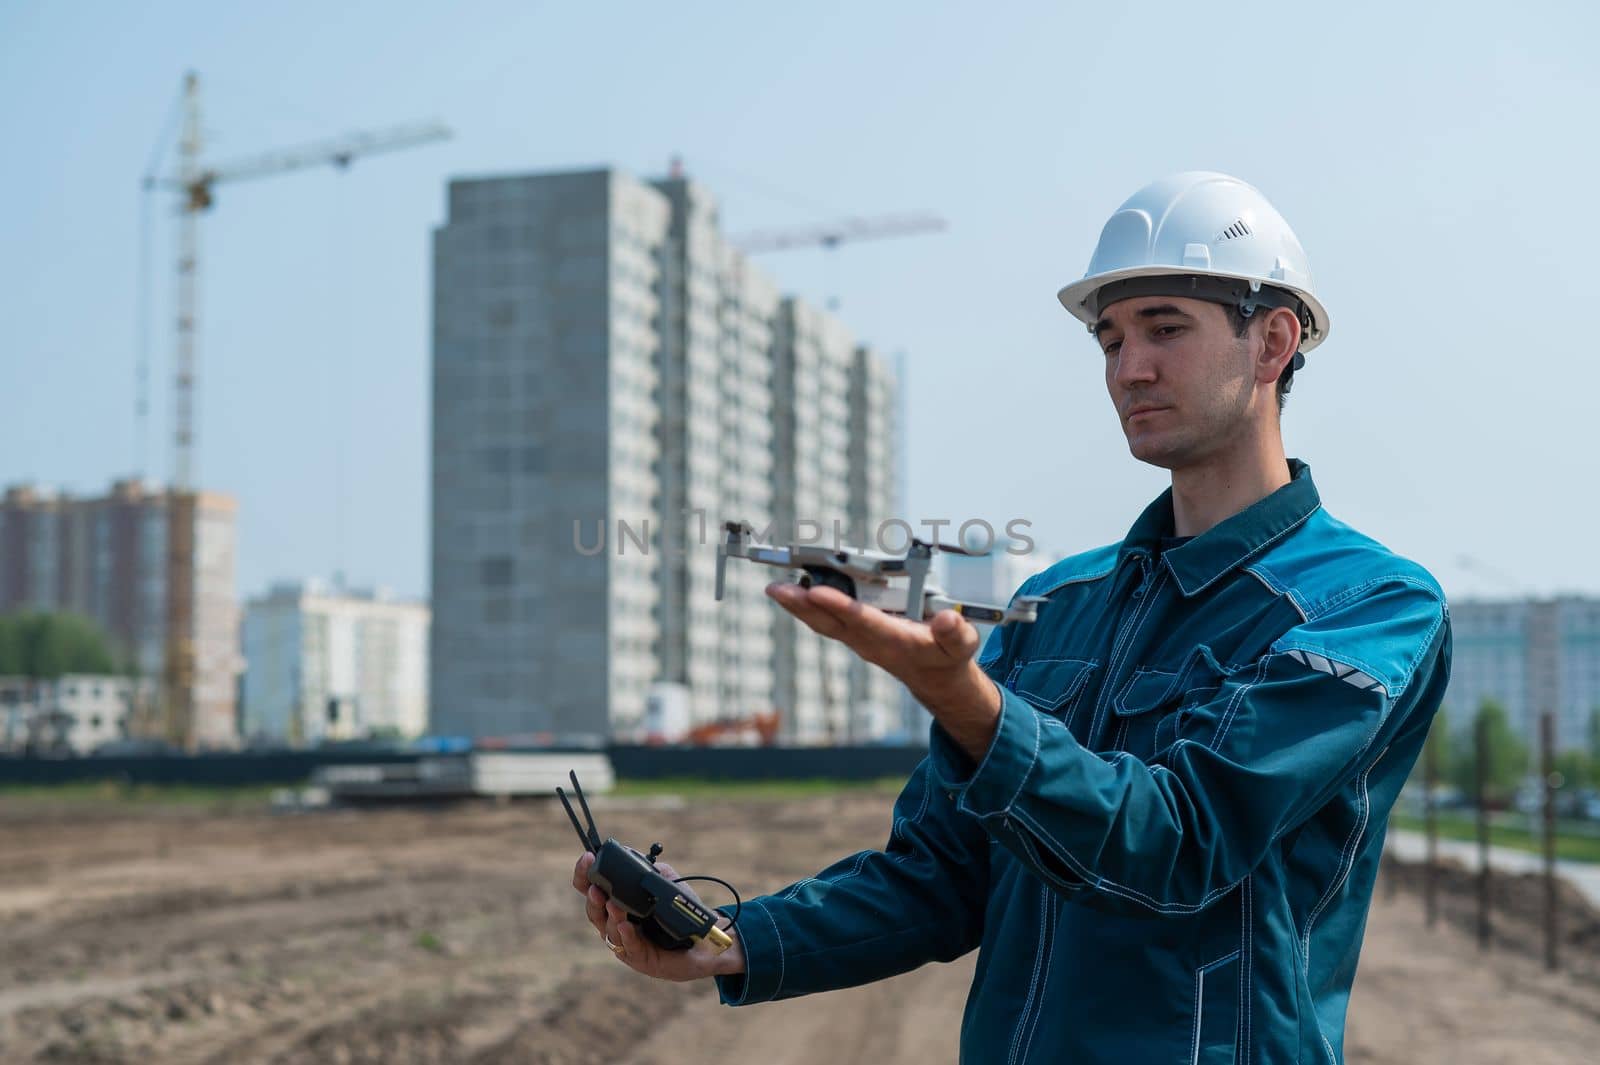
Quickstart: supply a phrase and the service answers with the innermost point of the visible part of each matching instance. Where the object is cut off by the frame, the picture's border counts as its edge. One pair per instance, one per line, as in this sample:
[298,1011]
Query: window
[495,570]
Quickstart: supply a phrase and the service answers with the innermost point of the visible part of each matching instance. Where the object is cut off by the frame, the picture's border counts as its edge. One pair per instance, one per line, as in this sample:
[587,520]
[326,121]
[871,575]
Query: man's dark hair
[1241,326]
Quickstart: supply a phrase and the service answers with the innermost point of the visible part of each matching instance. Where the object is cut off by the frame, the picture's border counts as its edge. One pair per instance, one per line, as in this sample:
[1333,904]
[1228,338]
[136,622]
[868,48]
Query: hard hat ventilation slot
[1235,231]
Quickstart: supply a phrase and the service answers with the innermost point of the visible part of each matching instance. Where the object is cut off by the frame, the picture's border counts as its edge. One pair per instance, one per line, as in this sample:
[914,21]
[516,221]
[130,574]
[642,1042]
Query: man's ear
[1280,335]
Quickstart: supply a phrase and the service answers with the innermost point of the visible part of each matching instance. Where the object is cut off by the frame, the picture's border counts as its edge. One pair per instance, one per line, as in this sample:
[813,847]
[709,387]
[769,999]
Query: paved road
[1412,847]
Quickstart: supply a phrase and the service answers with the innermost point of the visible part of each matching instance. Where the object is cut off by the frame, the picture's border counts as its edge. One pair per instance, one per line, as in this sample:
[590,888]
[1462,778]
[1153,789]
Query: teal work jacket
[1167,853]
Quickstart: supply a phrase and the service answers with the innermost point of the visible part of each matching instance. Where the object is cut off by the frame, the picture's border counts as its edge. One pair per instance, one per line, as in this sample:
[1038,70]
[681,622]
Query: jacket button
[950,795]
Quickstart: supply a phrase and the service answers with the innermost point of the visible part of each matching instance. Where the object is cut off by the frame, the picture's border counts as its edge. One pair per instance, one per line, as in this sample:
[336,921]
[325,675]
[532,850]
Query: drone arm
[1024,608]
[738,535]
[917,564]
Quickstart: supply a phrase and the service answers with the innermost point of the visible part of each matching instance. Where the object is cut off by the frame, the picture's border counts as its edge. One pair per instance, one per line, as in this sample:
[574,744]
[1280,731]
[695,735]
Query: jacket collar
[1231,542]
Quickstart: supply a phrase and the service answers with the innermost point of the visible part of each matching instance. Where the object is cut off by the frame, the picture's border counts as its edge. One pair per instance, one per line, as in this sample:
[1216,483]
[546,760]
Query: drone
[895,584]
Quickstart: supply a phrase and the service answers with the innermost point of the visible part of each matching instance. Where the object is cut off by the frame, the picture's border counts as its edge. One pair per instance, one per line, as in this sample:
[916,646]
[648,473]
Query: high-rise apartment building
[811,385]
[330,663]
[155,569]
[612,380]
[1530,655]
[546,490]
[874,465]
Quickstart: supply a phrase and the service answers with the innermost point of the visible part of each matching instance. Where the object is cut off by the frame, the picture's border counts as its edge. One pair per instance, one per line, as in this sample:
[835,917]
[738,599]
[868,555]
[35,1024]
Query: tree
[1576,769]
[43,646]
[1508,754]
[11,656]
[1439,741]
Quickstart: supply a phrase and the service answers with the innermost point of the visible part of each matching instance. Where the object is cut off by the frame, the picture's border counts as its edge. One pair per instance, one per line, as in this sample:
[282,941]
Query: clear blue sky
[1438,162]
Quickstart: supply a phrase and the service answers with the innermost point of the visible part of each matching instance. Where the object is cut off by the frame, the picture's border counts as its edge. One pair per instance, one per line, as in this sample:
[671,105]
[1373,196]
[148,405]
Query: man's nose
[1136,363]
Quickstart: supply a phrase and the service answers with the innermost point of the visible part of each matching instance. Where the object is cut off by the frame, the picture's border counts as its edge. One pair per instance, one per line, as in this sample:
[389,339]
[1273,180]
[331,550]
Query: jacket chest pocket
[1055,686]
[1153,704]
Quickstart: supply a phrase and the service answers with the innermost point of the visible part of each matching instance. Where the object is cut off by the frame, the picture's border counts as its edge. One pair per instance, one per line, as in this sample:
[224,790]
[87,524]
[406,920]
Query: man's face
[1181,380]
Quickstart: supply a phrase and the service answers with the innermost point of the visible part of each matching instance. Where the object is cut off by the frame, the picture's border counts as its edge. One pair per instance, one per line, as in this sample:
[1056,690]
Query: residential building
[327,663]
[612,381]
[19,707]
[1530,655]
[877,705]
[814,356]
[153,568]
[71,714]
[545,591]
[715,430]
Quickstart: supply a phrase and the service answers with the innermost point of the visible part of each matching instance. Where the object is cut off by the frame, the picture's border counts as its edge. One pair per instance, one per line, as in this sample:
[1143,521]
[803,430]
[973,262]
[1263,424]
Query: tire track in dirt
[454,935]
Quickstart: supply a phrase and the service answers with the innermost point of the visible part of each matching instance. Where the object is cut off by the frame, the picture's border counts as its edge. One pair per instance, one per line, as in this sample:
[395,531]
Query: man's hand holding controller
[641,955]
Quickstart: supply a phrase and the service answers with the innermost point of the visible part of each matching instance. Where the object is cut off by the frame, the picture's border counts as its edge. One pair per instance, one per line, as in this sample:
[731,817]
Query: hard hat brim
[1075,297]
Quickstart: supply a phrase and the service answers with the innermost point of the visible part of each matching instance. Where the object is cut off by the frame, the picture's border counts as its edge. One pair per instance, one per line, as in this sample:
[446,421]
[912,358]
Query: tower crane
[196,185]
[831,235]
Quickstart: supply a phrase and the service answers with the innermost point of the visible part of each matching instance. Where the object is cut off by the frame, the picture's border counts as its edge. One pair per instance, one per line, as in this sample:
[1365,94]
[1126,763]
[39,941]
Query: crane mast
[195,183]
[188,287]
[196,186]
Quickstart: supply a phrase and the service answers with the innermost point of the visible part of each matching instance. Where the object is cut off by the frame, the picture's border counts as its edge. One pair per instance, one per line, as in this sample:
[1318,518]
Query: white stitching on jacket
[1038,960]
[1081,579]
[1258,549]
[1247,902]
[1112,887]
[1347,856]
[1199,988]
[1122,647]
[1080,680]
[1233,705]
[1038,738]
[1044,988]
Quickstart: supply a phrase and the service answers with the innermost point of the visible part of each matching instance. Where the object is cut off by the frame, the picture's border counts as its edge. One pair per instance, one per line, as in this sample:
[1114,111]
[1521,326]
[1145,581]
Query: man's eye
[1168,331]
[1111,348]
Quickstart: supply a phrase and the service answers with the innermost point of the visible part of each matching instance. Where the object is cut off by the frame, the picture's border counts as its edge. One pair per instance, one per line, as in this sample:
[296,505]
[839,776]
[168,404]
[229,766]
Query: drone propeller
[950,548]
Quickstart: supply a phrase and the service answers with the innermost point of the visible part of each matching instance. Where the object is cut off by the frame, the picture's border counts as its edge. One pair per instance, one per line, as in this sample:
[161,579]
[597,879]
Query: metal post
[1482,780]
[1547,768]
[1430,829]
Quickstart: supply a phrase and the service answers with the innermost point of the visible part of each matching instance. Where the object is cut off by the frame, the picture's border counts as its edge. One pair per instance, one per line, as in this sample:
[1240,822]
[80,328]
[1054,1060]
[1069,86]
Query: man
[1158,810]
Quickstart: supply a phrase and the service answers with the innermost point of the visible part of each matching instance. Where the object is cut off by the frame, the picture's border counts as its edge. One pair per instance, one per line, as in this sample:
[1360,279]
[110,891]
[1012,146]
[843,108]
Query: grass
[90,793]
[119,792]
[1573,843]
[698,788]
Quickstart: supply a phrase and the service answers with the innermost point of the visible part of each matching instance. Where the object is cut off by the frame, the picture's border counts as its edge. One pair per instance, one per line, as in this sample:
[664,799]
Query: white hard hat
[1206,236]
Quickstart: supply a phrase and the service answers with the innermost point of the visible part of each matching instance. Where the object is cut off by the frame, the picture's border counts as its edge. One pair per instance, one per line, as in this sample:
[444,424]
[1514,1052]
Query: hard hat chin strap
[1236,292]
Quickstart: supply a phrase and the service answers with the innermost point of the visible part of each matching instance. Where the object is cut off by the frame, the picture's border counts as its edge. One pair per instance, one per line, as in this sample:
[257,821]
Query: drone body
[893,584]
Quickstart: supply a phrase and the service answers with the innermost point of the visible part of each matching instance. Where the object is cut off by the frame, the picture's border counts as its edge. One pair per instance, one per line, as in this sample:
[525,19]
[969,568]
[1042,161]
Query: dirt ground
[183,935]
